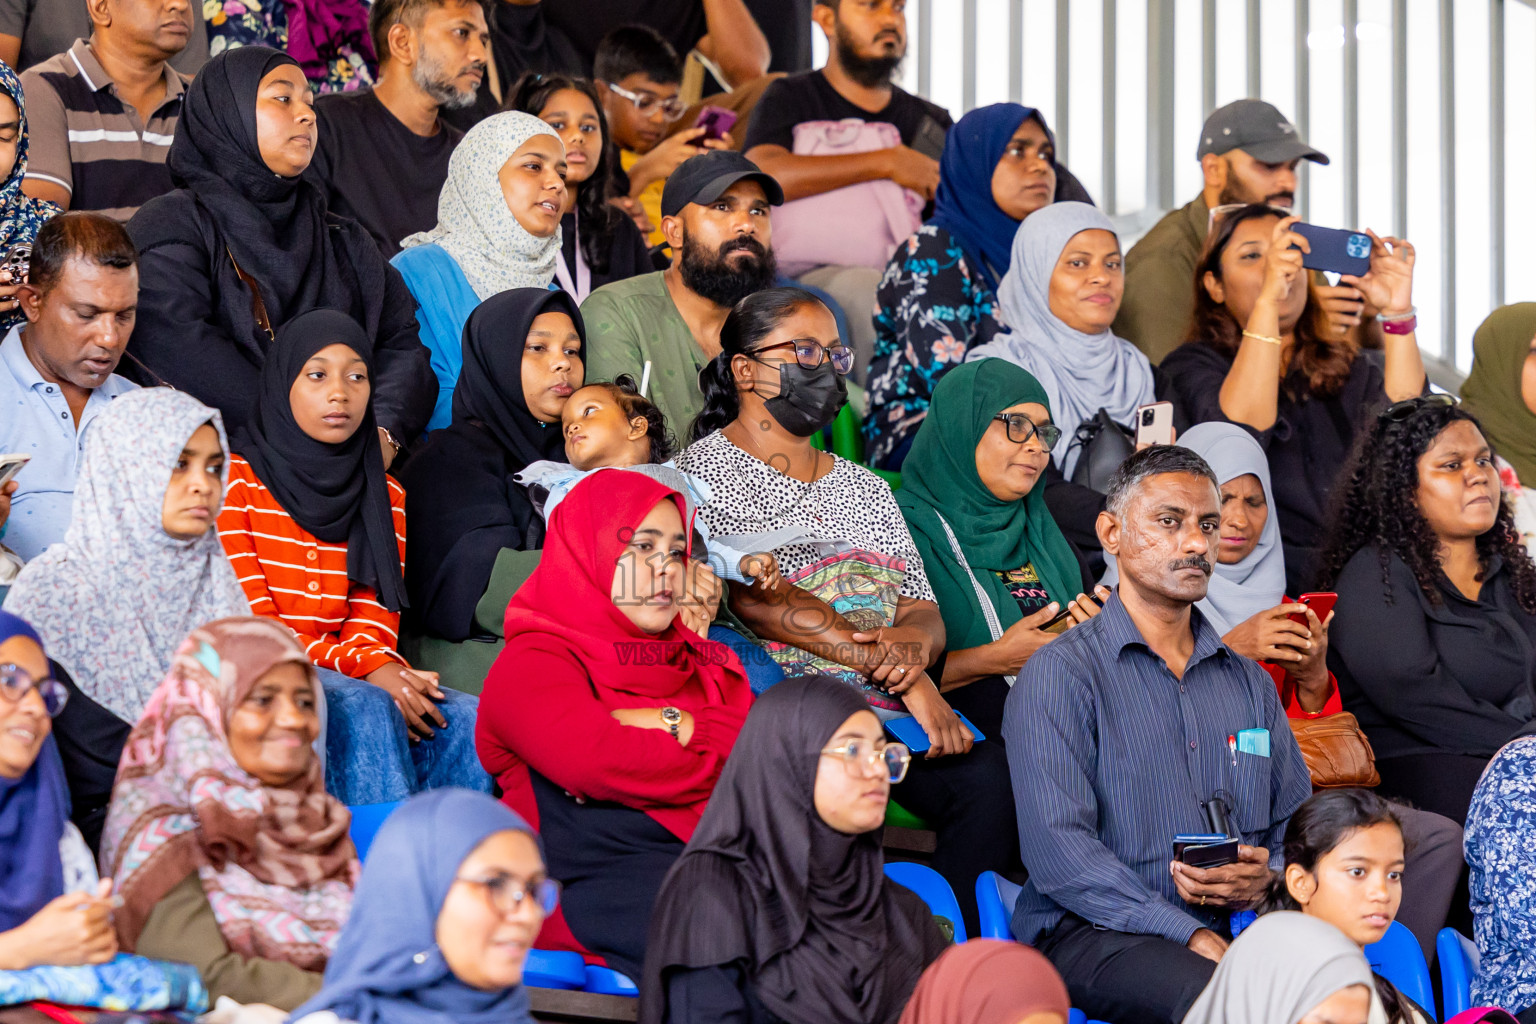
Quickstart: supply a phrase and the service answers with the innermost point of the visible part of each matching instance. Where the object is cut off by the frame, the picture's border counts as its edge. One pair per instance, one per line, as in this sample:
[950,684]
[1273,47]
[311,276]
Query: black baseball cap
[1258,129]
[703,178]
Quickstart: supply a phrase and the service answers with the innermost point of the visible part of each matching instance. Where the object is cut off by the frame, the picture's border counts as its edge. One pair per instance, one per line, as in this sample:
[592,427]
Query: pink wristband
[1400,326]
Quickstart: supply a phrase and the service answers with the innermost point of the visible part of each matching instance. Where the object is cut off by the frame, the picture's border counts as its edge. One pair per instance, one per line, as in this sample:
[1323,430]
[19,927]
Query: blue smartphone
[1336,250]
[904,729]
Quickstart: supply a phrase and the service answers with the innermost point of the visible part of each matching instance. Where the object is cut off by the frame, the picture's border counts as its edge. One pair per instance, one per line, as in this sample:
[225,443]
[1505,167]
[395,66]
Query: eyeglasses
[1399,411]
[1225,210]
[507,893]
[1021,428]
[810,354]
[671,109]
[859,757]
[15,681]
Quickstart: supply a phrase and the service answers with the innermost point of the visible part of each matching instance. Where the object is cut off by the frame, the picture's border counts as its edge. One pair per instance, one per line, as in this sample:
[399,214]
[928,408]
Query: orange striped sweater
[290,575]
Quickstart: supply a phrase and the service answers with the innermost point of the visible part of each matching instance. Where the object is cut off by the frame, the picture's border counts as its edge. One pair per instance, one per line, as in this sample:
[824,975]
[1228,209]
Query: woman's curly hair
[1376,503]
[1325,363]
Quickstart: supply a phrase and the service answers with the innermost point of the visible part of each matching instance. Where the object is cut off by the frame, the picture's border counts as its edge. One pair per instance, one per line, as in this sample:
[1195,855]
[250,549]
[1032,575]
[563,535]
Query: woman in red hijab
[989,982]
[605,721]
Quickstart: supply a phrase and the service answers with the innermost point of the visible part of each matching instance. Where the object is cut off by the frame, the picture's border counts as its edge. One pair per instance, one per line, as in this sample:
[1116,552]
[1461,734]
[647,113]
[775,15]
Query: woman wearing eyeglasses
[42,856]
[1434,634]
[779,909]
[857,603]
[448,906]
[1261,354]
[606,720]
[227,850]
[971,495]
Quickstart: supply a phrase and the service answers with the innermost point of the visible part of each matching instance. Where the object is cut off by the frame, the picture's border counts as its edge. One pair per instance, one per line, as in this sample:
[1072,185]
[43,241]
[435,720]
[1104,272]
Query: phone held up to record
[1336,250]
[1154,424]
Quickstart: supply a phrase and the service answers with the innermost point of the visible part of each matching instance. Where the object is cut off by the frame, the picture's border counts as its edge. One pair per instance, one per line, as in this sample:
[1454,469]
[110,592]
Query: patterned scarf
[277,864]
[474,225]
[20,215]
[116,597]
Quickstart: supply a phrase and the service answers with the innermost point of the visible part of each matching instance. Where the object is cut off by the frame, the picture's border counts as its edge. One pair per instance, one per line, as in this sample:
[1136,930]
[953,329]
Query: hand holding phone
[1154,424]
[10,465]
[1336,250]
[1321,604]
[716,122]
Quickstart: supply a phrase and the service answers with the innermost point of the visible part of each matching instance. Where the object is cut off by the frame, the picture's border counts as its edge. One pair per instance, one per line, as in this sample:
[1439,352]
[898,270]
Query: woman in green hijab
[1501,393]
[974,500]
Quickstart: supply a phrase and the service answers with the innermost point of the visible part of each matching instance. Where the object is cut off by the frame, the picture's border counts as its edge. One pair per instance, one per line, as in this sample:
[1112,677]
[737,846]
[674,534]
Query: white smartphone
[1154,424]
[10,465]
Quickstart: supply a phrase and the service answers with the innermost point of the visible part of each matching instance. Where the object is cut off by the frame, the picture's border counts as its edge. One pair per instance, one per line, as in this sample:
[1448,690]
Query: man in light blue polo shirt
[56,370]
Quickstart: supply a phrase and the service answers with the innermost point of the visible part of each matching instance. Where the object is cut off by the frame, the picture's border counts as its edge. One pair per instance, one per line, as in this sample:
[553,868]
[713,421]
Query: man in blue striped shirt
[1118,734]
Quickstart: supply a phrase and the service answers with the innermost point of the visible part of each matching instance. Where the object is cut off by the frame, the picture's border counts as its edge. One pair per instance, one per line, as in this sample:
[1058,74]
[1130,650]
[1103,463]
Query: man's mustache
[1192,562]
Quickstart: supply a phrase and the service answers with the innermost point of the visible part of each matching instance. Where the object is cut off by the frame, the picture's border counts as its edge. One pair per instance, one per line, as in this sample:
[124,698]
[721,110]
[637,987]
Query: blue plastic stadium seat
[609,982]
[547,968]
[1076,1017]
[1398,958]
[935,892]
[995,897]
[366,821]
[1458,957]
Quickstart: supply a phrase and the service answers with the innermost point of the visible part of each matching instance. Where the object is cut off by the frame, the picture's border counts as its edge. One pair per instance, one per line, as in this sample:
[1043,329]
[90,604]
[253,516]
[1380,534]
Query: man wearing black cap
[663,327]
[1249,153]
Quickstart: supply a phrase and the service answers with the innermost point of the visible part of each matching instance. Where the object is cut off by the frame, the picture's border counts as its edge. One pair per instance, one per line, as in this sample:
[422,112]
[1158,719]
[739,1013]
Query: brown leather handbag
[1337,753]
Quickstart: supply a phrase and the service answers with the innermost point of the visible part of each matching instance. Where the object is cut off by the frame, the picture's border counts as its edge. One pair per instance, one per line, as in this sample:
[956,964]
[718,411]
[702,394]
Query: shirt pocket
[1252,793]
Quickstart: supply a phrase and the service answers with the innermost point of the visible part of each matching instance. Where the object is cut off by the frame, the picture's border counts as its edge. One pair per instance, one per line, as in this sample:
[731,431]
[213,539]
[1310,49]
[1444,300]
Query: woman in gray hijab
[1287,968]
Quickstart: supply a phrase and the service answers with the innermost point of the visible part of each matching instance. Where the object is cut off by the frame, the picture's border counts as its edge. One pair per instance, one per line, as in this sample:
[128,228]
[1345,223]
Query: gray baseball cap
[1258,129]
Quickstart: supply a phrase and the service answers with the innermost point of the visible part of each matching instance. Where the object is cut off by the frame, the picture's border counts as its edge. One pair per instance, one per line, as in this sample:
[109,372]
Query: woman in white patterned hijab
[120,593]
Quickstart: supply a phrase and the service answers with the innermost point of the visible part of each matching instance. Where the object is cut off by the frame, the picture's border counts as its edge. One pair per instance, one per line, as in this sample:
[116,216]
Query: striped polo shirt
[81,136]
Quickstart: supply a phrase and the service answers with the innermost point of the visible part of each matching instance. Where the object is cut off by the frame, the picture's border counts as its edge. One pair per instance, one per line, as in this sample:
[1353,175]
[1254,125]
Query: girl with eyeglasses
[449,904]
[1263,354]
[779,909]
[607,720]
[1434,634]
[227,851]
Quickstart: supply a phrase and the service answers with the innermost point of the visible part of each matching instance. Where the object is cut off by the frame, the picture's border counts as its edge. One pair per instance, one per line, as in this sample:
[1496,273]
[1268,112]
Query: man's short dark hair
[637,49]
[385,14]
[1149,462]
[78,235]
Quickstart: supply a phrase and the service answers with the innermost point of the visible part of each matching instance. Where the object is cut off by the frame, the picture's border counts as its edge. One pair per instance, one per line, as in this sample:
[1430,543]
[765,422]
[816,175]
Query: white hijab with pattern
[118,595]
[475,227]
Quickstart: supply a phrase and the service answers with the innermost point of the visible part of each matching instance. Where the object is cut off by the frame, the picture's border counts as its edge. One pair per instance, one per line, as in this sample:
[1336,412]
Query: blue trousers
[762,671]
[369,757]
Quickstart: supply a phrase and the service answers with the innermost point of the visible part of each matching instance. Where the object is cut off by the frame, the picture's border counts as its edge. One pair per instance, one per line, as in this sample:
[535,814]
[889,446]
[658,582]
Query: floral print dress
[234,23]
[930,310]
[1501,851]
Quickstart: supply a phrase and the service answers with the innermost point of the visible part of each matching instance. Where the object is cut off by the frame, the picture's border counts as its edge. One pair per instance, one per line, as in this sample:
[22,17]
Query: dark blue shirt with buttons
[1112,756]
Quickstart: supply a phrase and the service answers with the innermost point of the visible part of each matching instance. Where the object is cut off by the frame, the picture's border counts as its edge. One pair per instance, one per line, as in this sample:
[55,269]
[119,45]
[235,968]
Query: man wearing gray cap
[1248,153]
[663,327]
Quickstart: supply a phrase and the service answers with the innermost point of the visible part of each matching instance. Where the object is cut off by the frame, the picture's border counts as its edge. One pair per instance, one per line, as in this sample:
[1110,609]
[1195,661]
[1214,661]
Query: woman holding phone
[1258,356]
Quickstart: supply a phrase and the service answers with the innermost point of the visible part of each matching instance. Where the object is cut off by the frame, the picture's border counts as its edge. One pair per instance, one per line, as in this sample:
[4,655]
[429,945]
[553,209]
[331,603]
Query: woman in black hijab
[245,244]
[779,909]
[475,535]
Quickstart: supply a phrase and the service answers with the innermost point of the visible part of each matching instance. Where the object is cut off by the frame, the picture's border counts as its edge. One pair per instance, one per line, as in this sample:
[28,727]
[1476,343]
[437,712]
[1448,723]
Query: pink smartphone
[715,121]
[1154,424]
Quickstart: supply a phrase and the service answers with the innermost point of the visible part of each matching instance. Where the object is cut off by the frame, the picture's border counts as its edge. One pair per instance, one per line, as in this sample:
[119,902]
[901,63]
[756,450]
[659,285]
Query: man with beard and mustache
[1248,153]
[1122,734]
[382,156]
[662,328]
[866,41]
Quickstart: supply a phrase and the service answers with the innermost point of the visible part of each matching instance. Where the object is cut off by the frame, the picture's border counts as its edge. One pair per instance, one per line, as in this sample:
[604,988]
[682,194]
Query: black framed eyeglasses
[810,353]
[1021,428]
[1399,411]
[15,681]
[507,893]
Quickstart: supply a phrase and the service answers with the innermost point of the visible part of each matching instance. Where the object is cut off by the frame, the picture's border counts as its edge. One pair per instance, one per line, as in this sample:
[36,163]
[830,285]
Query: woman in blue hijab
[937,299]
[452,897]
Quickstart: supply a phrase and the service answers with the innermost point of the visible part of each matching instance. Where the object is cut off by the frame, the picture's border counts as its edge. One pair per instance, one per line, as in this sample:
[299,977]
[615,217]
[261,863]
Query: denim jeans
[370,758]
[762,671]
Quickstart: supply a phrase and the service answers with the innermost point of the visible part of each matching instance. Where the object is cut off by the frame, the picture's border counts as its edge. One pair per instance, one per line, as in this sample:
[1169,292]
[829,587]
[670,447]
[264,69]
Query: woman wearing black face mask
[861,607]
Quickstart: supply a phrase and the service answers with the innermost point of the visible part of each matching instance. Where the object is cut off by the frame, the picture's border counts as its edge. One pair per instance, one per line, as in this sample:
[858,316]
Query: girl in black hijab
[779,909]
[470,521]
[245,244]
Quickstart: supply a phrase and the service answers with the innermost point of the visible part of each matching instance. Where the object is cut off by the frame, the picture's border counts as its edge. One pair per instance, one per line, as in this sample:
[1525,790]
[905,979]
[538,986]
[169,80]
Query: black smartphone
[929,139]
[1210,855]
[1336,250]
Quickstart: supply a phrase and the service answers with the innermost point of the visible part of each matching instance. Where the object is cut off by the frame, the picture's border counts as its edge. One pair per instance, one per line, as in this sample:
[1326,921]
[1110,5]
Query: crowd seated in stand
[620,611]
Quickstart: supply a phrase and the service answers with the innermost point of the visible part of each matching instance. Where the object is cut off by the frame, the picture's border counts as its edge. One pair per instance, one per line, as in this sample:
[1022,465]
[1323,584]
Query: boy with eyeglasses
[638,76]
